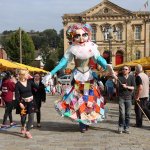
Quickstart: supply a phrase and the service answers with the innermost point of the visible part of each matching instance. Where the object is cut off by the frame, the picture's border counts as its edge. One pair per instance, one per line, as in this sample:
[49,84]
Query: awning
[145,62]
[6,64]
[30,68]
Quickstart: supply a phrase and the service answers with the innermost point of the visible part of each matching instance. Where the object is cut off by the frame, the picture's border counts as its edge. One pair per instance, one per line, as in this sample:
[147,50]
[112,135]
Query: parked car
[65,79]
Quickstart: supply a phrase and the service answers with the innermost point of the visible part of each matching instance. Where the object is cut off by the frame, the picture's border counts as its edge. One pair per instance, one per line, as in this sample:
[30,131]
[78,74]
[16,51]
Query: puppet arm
[102,62]
[62,65]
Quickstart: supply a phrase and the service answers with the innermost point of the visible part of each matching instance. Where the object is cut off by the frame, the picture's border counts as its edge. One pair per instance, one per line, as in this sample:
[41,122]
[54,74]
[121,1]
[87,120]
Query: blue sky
[39,15]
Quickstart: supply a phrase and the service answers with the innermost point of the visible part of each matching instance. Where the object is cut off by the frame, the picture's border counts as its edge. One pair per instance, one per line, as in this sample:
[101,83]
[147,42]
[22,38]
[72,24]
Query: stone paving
[58,133]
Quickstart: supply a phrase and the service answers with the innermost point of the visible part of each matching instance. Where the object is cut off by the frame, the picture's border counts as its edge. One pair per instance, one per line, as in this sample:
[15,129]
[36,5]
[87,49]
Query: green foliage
[49,42]
[12,47]
[51,46]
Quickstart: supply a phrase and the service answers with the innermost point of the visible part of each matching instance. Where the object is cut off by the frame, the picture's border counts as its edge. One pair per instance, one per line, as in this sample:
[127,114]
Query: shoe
[82,130]
[23,131]
[120,129]
[137,126]
[32,126]
[87,127]
[28,135]
[13,124]
[5,126]
[39,125]
[127,131]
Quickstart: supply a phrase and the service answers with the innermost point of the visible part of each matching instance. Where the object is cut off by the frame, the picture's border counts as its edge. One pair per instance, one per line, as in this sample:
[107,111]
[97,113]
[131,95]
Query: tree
[52,47]
[60,47]
[12,47]
[49,57]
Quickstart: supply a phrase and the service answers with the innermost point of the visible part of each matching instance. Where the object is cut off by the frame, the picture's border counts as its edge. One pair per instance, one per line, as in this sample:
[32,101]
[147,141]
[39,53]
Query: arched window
[138,54]
[119,57]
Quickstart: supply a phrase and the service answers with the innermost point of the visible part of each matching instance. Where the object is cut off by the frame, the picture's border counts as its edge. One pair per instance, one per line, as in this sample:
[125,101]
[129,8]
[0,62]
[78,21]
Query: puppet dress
[82,101]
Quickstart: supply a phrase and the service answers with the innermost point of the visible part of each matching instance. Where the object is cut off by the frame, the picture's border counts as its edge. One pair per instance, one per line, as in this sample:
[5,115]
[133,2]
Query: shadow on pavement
[60,127]
[67,127]
[12,133]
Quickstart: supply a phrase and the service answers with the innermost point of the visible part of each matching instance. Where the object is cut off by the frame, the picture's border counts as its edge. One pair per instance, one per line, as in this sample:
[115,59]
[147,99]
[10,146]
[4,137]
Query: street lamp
[108,36]
[110,45]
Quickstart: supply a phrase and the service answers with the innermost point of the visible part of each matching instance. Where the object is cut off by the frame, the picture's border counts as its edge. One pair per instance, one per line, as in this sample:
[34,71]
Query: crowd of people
[25,94]
[82,101]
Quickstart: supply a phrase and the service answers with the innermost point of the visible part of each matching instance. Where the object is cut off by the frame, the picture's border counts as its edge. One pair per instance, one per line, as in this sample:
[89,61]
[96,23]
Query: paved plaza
[58,133]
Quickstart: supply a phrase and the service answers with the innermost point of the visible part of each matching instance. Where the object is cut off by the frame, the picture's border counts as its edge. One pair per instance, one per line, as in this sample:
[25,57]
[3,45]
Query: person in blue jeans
[110,87]
[126,84]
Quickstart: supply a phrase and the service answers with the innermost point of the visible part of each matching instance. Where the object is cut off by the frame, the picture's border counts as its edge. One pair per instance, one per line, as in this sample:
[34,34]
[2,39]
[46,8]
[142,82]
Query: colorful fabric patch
[80,101]
[74,100]
[82,108]
[98,102]
[81,87]
[97,108]
[76,106]
[86,92]
[76,86]
[64,105]
[91,92]
[87,109]
[96,93]
[87,86]
[74,116]
[85,98]
[89,104]
[91,98]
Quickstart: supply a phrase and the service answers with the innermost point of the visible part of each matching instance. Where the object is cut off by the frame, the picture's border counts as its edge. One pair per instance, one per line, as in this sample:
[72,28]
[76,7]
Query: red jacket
[8,87]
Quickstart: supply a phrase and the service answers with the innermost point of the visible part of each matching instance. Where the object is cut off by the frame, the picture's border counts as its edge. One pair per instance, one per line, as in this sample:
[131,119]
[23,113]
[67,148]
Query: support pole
[20,42]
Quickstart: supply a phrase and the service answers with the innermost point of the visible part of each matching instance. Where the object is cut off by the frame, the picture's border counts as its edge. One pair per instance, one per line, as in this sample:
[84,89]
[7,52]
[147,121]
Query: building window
[138,54]
[137,32]
[119,34]
[93,34]
[107,32]
[105,10]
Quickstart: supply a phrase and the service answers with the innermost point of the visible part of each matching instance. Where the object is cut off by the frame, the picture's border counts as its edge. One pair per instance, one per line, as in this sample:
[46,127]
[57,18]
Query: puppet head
[79,33]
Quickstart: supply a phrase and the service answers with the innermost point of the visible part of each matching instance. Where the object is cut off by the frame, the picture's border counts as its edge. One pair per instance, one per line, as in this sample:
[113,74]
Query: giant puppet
[82,101]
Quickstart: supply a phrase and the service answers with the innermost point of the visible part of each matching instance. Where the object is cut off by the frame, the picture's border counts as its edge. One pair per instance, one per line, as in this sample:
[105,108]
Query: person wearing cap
[141,96]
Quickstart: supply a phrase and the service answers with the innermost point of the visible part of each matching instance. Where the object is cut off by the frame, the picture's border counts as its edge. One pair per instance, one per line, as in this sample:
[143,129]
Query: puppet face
[80,37]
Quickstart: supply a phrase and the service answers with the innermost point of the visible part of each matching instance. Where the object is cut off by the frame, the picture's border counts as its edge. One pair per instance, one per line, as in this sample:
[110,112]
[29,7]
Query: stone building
[121,35]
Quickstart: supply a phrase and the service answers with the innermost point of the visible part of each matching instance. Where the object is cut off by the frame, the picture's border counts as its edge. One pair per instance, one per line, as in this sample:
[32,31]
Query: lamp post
[108,36]
[110,47]
[20,43]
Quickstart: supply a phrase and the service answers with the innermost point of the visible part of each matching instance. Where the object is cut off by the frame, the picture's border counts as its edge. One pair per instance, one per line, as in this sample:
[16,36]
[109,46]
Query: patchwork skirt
[82,102]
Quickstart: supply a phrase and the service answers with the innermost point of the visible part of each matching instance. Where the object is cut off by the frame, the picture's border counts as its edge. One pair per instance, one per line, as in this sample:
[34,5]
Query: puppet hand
[115,76]
[111,71]
[46,79]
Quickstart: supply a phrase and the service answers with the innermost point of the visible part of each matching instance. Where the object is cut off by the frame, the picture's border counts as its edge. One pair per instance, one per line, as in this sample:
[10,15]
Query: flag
[146,4]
